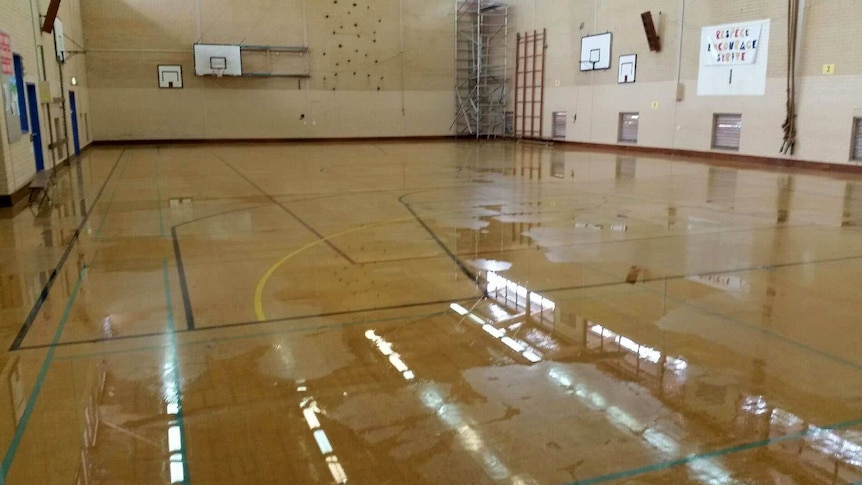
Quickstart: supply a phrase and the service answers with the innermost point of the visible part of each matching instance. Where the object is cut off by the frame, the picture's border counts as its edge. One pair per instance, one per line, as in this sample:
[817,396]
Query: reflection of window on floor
[515,296]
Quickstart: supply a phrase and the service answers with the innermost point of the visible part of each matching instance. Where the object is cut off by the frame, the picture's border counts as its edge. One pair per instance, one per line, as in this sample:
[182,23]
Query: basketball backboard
[628,69]
[170,77]
[217,59]
[596,52]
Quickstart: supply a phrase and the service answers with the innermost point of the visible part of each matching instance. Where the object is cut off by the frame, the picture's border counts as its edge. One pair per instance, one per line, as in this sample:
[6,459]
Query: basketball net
[219,72]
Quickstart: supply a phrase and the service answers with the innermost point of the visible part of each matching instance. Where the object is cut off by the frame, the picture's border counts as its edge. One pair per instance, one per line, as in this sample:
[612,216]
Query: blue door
[74,108]
[35,130]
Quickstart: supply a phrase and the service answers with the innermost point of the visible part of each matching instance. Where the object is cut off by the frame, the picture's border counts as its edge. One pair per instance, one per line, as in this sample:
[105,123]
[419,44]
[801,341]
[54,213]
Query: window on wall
[726,131]
[18,62]
[628,131]
[856,154]
[560,124]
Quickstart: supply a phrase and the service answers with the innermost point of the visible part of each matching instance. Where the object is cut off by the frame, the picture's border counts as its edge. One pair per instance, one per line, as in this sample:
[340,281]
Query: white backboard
[59,41]
[170,77]
[628,69]
[596,52]
[209,57]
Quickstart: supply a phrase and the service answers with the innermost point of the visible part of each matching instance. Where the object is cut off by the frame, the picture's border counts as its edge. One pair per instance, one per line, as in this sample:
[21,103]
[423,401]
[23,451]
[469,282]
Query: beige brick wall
[20,19]
[826,104]
[381,68]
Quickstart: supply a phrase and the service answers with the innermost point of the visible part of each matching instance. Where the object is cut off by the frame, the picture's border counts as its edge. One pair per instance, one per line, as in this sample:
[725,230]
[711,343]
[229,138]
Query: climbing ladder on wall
[481,32]
[530,85]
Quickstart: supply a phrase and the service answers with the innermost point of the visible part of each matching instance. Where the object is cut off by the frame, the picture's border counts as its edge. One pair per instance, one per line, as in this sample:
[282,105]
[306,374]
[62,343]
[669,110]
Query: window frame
[621,123]
[713,142]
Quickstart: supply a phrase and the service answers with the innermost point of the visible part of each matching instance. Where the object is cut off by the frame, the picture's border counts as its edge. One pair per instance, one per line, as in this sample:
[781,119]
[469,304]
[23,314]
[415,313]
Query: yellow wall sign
[828,69]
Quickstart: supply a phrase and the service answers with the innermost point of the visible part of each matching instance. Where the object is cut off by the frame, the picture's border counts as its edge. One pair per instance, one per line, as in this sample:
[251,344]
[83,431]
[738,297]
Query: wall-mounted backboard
[170,77]
[217,60]
[628,68]
[59,41]
[596,52]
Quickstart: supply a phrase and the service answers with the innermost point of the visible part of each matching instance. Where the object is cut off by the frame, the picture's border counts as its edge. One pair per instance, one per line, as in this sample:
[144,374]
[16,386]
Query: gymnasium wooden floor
[430,313]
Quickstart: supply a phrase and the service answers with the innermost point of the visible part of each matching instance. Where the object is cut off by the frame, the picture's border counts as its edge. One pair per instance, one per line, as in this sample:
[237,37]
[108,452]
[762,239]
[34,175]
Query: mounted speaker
[651,35]
[50,16]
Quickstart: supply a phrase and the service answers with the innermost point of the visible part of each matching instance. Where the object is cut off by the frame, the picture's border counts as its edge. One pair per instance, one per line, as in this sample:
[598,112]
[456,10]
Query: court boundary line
[177,376]
[314,328]
[285,209]
[52,278]
[21,426]
[250,323]
[184,287]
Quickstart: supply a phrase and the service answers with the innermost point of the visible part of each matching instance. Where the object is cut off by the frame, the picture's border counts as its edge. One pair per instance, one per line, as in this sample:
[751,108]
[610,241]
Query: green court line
[40,379]
[159,201]
[666,465]
[178,382]
[249,336]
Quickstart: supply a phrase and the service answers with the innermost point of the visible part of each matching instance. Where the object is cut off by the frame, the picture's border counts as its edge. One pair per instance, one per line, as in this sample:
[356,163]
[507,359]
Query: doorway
[35,128]
[73,107]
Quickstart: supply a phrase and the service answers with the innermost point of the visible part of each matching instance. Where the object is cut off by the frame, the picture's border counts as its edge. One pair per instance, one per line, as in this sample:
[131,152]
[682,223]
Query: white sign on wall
[733,59]
[9,88]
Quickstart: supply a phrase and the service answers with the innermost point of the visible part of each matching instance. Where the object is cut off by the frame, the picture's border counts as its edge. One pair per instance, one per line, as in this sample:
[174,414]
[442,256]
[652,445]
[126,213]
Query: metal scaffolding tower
[481,30]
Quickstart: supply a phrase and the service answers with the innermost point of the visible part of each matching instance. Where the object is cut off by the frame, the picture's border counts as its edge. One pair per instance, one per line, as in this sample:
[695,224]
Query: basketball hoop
[219,72]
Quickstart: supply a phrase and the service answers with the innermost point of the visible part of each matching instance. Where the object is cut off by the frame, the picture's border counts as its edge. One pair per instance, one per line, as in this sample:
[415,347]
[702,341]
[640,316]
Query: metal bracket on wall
[276,61]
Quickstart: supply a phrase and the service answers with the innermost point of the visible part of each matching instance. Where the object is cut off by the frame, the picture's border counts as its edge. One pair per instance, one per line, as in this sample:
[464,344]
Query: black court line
[286,209]
[46,290]
[762,267]
[464,269]
[247,324]
[636,239]
[184,288]
[213,216]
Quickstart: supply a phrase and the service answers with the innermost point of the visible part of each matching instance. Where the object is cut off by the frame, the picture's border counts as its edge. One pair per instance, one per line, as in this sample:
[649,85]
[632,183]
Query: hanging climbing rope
[789,125]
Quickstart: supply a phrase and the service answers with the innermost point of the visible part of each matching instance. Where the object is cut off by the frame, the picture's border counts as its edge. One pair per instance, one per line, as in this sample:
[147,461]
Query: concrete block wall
[826,104]
[378,68]
[20,19]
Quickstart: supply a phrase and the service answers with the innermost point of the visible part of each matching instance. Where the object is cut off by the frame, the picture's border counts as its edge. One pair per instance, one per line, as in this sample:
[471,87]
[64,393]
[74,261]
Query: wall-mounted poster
[733,59]
[9,88]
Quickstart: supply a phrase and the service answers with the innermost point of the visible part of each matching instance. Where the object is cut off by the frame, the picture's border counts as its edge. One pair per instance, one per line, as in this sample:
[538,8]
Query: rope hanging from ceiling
[789,125]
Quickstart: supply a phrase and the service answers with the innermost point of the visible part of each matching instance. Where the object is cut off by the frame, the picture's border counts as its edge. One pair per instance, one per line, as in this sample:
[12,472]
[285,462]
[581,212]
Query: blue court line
[666,465]
[175,364]
[40,379]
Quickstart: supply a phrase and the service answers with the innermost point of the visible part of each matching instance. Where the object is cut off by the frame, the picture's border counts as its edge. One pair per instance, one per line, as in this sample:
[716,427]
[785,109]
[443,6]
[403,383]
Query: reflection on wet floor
[431,313]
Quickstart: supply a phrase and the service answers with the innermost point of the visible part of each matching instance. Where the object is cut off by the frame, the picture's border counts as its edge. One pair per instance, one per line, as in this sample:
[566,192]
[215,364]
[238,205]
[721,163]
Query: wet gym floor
[430,313]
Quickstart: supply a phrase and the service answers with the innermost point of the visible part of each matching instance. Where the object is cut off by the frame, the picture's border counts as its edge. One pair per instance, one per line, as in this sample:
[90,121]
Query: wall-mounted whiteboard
[596,52]
[628,69]
[212,57]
